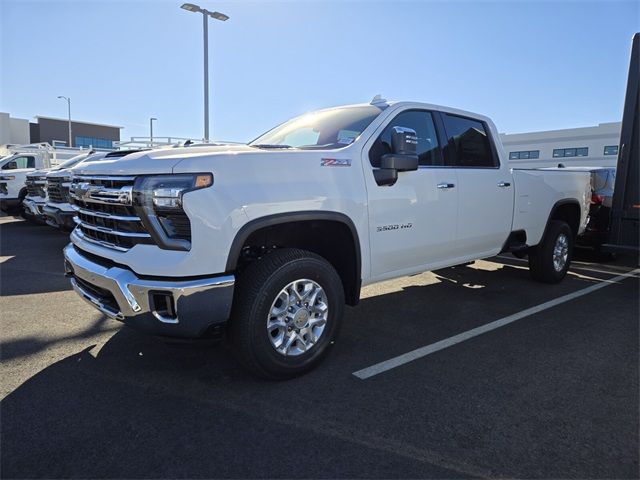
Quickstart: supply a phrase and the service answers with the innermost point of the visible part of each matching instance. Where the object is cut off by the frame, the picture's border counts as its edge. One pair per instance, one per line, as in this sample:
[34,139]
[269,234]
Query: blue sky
[530,65]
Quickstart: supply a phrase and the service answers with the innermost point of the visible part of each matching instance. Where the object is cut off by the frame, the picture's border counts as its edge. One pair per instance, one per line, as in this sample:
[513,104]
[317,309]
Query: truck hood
[39,173]
[155,161]
[60,172]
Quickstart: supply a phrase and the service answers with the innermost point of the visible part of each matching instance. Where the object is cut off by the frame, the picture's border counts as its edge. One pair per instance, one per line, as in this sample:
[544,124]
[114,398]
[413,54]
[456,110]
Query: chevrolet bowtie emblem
[84,190]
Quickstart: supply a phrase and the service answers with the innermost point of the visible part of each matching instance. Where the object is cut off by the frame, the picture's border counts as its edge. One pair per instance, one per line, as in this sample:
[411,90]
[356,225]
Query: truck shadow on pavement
[25,346]
[140,407]
[33,258]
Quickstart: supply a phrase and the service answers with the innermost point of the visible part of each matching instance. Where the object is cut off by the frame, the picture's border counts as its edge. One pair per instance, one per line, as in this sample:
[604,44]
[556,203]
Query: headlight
[66,181]
[165,191]
[158,203]
[8,177]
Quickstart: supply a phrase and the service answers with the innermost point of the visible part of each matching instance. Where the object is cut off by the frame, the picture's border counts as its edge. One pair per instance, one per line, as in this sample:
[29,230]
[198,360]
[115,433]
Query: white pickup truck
[25,160]
[13,174]
[36,187]
[271,239]
[57,209]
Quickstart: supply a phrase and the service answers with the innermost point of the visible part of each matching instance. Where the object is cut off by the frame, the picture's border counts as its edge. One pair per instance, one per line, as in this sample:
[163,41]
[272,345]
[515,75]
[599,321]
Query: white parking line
[574,265]
[461,337]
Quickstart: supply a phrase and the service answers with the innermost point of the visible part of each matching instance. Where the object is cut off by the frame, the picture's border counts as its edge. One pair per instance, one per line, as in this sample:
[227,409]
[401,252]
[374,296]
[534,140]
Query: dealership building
[585,146]
[55,131]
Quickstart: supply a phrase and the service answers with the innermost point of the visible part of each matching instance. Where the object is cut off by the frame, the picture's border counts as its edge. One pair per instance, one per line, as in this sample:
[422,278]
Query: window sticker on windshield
[347,137]
[335,162]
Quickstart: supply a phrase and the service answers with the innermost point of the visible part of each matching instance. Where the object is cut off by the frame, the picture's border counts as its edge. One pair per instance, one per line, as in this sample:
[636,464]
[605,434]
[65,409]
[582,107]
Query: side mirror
[385,176]
[402,159]
[404,141]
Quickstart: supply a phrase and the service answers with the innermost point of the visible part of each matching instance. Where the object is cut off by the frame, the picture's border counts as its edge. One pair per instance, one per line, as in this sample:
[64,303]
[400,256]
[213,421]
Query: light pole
[69,111]
[205,27]
[151,129]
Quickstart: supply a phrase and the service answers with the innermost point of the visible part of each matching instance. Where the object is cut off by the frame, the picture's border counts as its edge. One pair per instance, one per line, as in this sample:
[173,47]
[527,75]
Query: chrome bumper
[58,218]
[168,307]
[33,207]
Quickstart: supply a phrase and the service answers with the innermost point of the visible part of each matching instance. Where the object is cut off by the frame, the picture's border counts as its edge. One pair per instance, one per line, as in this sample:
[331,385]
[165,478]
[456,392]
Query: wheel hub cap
[560,252]
[297,317]
[301,317]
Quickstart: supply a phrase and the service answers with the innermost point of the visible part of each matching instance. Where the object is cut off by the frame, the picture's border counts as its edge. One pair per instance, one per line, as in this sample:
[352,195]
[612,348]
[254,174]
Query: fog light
[164,306]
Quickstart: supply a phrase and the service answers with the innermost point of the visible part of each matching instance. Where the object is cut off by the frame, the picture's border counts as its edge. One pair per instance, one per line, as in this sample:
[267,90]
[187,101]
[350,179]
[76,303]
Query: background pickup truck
[271,239]
[13,174]
[36,188]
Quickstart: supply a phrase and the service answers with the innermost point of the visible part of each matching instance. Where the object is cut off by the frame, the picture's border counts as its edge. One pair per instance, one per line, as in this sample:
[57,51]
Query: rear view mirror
[403,158]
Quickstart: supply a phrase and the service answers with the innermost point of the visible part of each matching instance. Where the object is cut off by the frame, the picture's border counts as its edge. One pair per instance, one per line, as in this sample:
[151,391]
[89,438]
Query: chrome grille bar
[90,193]
[93,213]
[109,230]
[85,178]
[79,233]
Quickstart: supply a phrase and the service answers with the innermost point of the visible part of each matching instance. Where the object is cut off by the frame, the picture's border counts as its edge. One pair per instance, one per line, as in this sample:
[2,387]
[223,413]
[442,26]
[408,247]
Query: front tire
[287,310]
[550,260]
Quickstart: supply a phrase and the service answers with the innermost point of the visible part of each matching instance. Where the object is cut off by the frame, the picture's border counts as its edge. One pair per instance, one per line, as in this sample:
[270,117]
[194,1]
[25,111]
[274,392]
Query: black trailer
[625,212]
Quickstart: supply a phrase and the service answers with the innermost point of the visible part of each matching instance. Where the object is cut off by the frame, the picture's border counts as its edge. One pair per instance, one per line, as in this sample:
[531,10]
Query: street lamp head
[191,7]
[219,16]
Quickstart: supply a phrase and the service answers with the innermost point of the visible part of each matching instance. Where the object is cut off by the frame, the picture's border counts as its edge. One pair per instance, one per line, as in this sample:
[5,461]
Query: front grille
[105,214]
[35,186]
[58,193]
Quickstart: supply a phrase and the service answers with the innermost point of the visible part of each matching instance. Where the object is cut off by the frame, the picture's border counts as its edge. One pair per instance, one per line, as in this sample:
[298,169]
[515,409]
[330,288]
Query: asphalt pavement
[551,395]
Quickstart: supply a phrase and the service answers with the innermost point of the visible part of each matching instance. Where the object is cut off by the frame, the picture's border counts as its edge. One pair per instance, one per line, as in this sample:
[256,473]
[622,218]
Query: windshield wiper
[320,147]
[269,145]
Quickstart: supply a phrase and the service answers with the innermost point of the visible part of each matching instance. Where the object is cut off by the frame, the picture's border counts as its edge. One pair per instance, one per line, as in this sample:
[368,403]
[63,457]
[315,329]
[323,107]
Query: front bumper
[34,208]
[59,218]
[167,307]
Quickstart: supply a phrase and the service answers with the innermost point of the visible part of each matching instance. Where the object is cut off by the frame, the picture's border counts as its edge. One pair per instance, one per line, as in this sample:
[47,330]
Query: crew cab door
[412,223]
[485,187]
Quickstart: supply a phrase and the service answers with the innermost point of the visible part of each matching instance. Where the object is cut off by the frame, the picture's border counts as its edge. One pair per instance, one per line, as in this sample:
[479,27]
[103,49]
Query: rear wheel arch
[568,211]
[339,245]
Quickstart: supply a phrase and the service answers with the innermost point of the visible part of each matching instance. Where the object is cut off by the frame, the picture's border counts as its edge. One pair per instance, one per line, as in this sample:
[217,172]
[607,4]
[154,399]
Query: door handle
[504,184]
[445,185]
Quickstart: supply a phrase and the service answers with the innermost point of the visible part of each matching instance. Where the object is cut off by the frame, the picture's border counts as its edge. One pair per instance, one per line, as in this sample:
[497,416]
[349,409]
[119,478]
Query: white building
[13,130]
[585,147]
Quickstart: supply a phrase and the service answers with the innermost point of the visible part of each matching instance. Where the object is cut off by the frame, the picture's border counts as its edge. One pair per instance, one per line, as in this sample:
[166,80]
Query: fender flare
[558,204]
[280,218]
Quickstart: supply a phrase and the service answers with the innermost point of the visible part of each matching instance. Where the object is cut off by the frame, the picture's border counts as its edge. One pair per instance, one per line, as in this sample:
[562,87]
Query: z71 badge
[335,162]
[396,226]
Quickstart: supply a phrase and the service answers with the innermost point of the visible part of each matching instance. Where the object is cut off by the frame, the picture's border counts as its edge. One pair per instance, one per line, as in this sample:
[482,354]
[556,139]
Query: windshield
[325,129]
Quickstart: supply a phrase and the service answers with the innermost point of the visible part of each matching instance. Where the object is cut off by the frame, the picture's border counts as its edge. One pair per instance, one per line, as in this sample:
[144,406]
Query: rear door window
[468,144]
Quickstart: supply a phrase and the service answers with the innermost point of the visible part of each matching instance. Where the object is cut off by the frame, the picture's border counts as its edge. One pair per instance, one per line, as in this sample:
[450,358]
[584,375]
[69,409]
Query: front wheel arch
[341,246]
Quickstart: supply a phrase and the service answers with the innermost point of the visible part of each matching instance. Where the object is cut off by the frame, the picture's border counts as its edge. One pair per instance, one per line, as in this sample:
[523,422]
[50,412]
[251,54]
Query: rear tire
[550,260]
[287,311]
